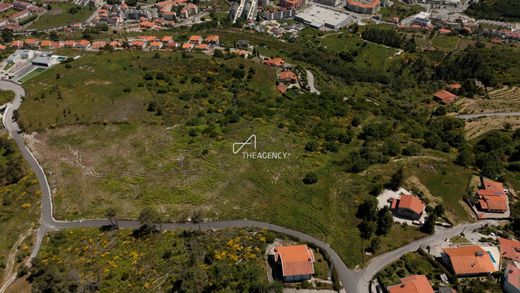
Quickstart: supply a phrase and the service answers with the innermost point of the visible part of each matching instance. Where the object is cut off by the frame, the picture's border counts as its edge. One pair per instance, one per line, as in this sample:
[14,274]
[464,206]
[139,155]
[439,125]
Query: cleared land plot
[506,99]
[115,132]
[447,183]
[61,14]
[479,126]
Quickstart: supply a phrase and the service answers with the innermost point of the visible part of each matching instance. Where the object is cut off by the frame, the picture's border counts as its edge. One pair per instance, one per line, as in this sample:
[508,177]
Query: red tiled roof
[411,202]
[412,284]
[288,75]
[512,274]
[45,43]
[212,39]
[282,88]
[296,260]
[187,46]
[166,39]
[470,260]
[2,47]
[445,96]
[372,4]
[274,62]
[201,46]
[455,86]
[509,249]
[98,44]
[195,39]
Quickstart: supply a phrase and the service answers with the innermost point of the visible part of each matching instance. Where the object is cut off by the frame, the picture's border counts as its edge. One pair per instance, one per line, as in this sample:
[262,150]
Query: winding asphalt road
[352,280]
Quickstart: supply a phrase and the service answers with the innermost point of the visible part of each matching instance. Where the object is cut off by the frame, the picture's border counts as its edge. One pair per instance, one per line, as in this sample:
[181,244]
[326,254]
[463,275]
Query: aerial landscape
[260,146]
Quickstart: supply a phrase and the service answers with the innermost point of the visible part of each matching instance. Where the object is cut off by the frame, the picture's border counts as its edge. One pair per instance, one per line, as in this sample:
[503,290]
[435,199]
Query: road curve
[311,82]
[354,281]
[488,114]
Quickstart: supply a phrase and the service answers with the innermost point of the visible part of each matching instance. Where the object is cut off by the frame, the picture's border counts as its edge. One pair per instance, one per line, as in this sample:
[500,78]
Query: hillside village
[356,89]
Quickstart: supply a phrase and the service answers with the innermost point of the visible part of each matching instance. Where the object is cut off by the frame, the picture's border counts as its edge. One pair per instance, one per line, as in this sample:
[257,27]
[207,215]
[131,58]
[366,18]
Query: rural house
[469,261]
[492,197]
[296,262]
[408,206]
[412,284]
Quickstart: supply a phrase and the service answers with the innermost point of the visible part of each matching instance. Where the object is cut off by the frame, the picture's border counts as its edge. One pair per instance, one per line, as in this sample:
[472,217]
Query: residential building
[412,284]
[469,261]
[363,6]
[5,6]
[31,42]
[213,40]
[19,15]
[202,47]
[156,45]
[408,206]
[195,40]
[292,4]
[296,262]
[16,44]
[277,62]
[69,44]
[276,14]
[187,46]
[288,77]
[166,39]
[98,45]
[83,44]
[21,5]
[511,281]
[138,44]
[492,197]
[445,97]
[509,249]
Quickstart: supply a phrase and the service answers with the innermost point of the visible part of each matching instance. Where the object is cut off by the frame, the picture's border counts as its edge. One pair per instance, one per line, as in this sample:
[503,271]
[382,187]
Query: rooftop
[470,260]
[412,284]
[296,260]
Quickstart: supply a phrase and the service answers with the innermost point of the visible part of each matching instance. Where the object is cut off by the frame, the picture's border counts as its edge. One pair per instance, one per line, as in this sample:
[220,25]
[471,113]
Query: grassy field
[446,182]
[105,148]
[6,97]
[224,261]
[61,15]
[400,10]
[19,214]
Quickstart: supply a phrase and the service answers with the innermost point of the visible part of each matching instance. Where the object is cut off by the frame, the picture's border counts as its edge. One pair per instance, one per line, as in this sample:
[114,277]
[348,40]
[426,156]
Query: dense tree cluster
[11,166]
[389,37]
[495,9]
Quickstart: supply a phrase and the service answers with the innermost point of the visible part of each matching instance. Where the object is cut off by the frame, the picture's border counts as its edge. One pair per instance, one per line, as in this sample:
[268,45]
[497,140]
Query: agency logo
[248,148]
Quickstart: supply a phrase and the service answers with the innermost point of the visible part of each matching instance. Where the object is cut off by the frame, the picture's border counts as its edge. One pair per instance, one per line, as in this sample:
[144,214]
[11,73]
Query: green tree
[366,229]
[429,225]
[396,180]
[385,220]
[465,157]
[148,217]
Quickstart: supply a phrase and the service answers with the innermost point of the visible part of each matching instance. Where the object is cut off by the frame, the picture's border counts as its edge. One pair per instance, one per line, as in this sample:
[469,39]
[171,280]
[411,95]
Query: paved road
[311,81]
[488,114]
[381,261]
[353,280]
